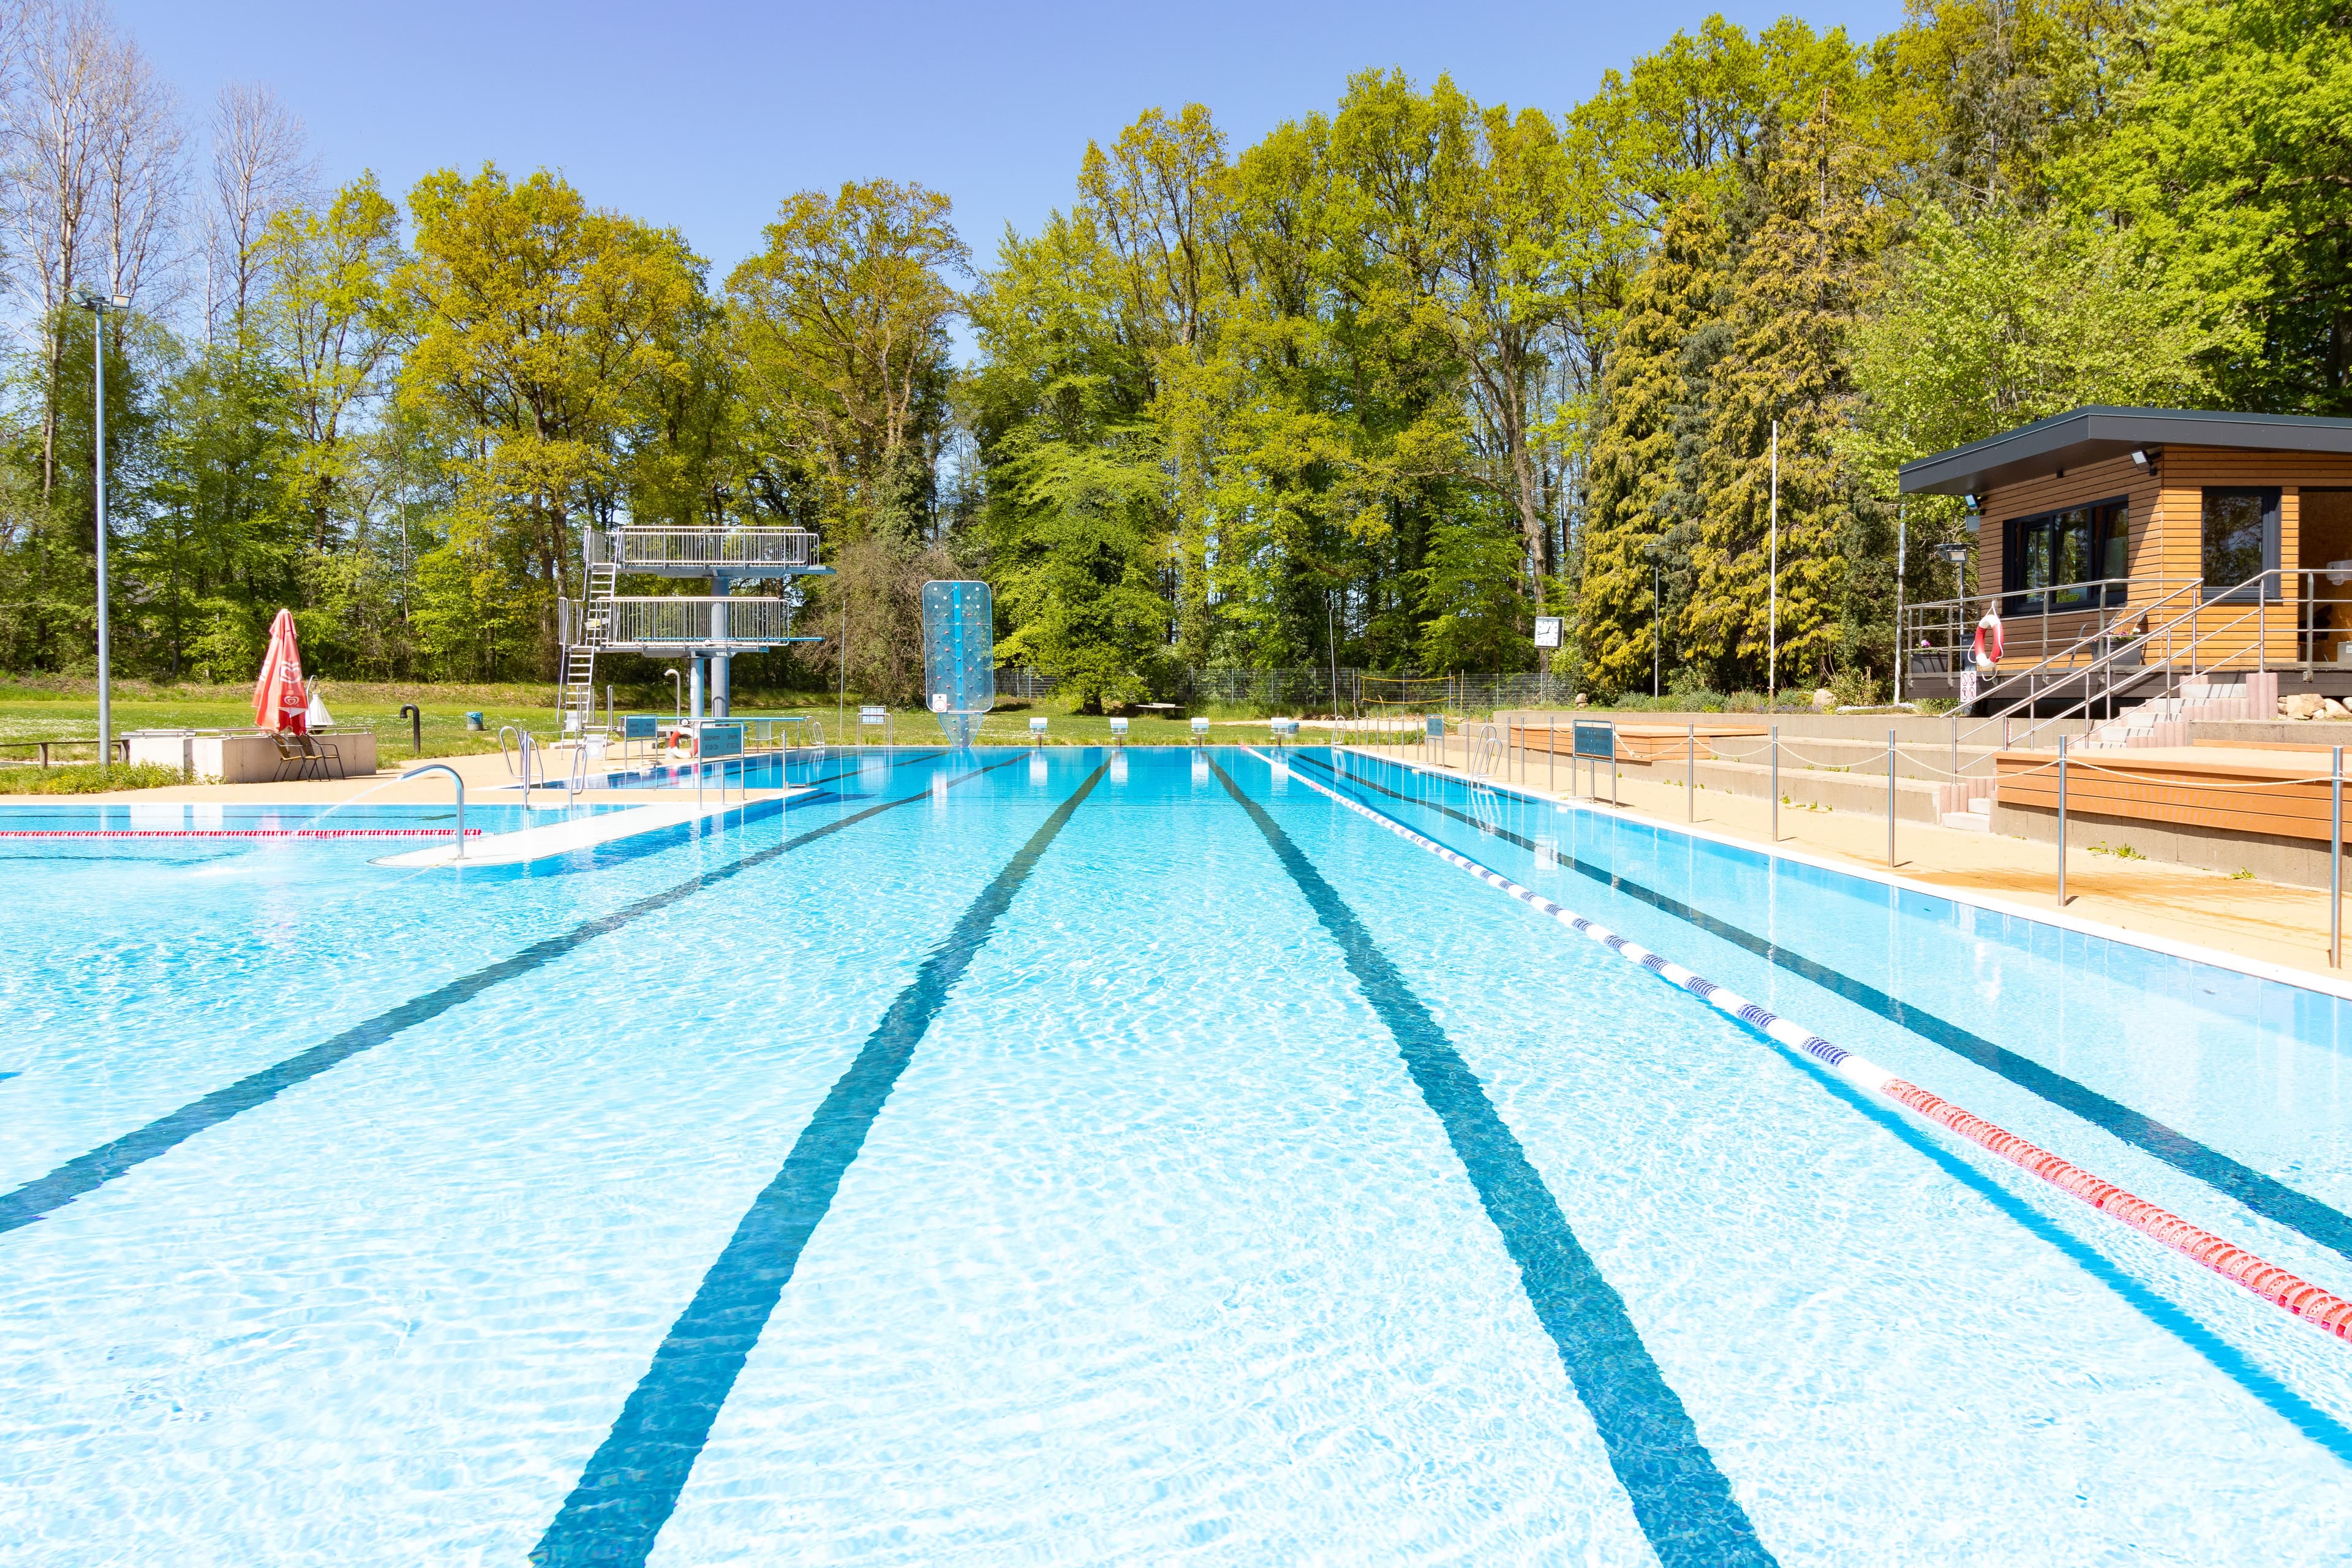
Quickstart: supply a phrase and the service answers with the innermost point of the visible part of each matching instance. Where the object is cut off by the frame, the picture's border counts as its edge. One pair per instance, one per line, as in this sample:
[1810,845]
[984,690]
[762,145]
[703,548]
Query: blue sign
[1596,741]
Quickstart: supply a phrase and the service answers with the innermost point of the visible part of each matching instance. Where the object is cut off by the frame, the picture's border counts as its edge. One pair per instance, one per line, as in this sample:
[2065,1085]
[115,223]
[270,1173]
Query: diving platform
[704,631]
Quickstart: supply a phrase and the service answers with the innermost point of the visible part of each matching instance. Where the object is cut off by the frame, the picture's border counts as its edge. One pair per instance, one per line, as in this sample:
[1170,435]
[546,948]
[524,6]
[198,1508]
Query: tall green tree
[2232,163]
[1797,291]
[542,327]
[1643,495]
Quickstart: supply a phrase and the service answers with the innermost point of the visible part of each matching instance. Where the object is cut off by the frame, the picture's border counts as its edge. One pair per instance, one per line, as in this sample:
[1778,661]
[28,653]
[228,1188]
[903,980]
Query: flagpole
[1772,626]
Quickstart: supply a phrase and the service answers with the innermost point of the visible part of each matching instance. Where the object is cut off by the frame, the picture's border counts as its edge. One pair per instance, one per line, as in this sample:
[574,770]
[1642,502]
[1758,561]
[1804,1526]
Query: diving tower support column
[720,663]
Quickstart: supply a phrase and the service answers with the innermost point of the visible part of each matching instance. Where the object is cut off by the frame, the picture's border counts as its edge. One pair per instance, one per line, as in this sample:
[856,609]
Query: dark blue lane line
[1682,1501]
[2265,1195]
[2218,1353]
[632,1482]
[86,1173]
[2225,1358]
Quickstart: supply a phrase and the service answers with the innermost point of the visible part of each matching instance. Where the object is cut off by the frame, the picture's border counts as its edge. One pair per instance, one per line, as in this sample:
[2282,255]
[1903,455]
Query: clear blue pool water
[1080,1157]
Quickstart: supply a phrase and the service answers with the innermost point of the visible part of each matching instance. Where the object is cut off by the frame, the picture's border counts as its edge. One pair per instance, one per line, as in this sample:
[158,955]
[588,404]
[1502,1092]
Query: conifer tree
[1637,496]
[1796,290]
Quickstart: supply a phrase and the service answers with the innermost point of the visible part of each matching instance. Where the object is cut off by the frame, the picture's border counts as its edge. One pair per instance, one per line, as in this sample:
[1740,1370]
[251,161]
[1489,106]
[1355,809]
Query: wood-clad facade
[2188,507]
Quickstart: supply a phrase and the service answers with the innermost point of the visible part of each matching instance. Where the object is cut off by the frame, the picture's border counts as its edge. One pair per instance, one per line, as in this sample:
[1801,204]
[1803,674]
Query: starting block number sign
[1596,741]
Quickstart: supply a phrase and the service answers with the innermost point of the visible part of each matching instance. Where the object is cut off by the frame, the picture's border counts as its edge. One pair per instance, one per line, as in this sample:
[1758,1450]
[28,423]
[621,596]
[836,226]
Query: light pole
[99,305]
[1653,550]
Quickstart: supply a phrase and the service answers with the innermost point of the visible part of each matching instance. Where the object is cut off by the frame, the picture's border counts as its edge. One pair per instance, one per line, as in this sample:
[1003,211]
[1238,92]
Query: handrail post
[1890,798]
[1776,784]
[2335,861]
[459,780]
[2061,820]
[1690,773]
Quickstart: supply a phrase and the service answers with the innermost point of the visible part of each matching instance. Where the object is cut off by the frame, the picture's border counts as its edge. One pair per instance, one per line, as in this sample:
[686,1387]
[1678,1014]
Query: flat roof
[2082,435]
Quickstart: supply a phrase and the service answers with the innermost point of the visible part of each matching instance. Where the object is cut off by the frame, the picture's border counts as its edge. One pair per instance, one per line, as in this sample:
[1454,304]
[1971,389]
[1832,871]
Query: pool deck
[2253,921]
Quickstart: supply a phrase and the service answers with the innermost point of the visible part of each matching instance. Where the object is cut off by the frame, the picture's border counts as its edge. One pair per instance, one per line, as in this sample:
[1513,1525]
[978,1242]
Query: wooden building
[2179,542]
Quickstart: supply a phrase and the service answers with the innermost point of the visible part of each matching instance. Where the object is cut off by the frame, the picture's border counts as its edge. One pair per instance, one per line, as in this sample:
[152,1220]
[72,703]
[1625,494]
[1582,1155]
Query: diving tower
[705,630]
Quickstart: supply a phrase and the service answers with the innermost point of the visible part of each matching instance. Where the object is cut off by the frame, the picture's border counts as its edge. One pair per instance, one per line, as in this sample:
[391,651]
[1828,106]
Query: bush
[88,778]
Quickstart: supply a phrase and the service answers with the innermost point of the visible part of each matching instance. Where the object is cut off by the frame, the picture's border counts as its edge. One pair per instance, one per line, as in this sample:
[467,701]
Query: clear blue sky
[706,115]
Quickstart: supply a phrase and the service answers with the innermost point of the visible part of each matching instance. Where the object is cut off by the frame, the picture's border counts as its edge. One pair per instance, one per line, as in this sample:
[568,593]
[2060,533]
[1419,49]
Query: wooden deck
[1636,742]
[2289,798]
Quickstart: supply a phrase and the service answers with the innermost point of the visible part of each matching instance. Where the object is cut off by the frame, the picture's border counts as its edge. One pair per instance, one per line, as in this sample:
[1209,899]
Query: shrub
[88,778]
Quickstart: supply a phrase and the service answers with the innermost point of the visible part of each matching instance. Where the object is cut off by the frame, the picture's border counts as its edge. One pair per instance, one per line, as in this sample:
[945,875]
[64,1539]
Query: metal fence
[670,547]
[1360,689]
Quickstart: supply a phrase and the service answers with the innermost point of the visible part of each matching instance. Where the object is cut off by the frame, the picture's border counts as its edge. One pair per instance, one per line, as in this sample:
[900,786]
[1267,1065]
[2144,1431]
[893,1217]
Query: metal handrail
[683,619]
[2138,646]
[459,780]
[675,547]
[1939,628]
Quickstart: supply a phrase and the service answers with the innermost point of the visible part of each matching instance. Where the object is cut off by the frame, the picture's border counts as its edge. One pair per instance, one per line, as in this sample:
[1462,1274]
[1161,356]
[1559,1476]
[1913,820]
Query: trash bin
[474,721]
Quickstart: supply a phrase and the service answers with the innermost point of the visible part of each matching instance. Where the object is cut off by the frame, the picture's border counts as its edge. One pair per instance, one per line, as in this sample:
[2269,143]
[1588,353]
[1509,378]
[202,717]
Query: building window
[2071,560]
[2241,539]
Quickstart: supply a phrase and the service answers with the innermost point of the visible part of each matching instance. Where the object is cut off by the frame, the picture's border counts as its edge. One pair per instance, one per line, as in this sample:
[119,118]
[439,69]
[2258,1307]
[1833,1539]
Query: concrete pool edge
[2170,947]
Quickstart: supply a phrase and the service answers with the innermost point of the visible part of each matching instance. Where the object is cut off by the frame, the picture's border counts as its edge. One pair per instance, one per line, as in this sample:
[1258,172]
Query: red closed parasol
[278,698]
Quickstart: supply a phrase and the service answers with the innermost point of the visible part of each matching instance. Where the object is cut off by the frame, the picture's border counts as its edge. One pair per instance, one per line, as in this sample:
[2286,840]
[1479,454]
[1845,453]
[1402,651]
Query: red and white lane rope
[232,833]
[2241,1268]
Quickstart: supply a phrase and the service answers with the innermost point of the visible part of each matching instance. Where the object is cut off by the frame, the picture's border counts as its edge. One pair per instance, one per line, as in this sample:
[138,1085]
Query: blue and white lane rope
[2329,1312]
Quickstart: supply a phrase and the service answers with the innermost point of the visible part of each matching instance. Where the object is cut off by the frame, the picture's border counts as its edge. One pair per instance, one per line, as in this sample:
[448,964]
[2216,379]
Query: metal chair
[324,757]
[291,763]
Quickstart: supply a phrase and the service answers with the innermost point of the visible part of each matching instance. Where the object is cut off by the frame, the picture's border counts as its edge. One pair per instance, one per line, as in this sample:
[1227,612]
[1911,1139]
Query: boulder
[2335,709]
[2302,705]
[1580,699]
[1825,697]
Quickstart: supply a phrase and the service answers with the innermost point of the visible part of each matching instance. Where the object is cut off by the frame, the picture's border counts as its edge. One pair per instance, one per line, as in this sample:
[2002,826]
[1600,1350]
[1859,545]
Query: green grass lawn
[45,708]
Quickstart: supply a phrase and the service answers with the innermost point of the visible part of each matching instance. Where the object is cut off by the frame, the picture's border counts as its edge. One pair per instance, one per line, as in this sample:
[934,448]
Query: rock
[1825,697]
[2302,705]
[1580,699]
[2334,709]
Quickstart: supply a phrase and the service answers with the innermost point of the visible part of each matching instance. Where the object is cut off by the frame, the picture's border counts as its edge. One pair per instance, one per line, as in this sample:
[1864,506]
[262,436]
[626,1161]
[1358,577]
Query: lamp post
[99,305]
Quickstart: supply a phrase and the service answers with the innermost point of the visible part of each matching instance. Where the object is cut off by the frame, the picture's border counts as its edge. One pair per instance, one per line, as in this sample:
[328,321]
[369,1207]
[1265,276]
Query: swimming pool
[1076,1156]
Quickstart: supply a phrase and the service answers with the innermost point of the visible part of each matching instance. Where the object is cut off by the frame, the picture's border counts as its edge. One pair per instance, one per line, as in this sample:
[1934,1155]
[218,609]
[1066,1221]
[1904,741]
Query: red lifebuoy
[681,740]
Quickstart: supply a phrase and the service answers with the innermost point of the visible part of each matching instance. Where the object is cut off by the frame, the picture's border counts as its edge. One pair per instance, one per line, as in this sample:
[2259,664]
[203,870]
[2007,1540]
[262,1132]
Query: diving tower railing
[699,552]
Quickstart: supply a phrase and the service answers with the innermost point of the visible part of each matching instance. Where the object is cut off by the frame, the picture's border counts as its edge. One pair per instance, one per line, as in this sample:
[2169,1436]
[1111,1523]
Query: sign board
[639,726]
[1435,724]
[1547,630]
[718,741]
[1596,741]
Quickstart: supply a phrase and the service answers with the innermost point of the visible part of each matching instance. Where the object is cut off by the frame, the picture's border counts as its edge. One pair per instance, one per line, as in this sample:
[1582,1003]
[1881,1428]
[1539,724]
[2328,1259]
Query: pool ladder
[1485,761]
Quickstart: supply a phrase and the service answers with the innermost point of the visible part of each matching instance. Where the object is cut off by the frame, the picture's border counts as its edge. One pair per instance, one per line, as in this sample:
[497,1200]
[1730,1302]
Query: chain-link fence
[1306,689]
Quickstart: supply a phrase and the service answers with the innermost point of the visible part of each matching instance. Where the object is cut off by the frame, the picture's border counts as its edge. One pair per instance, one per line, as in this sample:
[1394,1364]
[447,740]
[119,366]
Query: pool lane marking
[631,1484]
[2322,1309]
[2265,1195]
[1684,1503]
[86,1173]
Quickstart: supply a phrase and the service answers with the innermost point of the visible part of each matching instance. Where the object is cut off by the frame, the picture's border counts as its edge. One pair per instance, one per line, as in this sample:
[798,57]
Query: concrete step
[1981,806]
[1969,821]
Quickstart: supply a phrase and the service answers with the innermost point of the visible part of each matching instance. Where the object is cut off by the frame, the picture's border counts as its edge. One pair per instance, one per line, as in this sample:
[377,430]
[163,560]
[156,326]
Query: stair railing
[2028,687]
